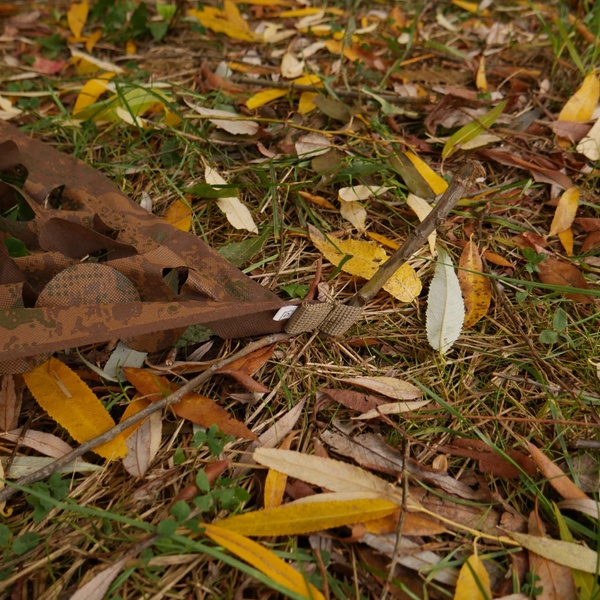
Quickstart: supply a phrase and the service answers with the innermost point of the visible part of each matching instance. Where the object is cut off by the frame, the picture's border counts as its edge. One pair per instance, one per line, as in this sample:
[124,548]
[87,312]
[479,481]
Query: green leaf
[26,542]
[295,290]
[548,336]
[180,510]
[167,527]
[204,190]
[202,482]
[240,253]
[471,130]
[560,320]
[16,248]
[5,535]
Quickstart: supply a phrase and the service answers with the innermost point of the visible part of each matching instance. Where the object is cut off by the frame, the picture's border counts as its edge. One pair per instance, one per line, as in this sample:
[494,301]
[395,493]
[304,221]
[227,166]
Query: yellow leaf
[179,214]
[306,104]
[384,241]
[436,183]
[366,258]
[276,481]
[306,517]
[219,21]
[264,560]
[91,91]
[130,47]
[422,208]
[565,211]
[473,581]
[580,106]
[76,17]
[86,63]
[93,39]
[476,288]
[337,47]
[269,95]
[566,239]
[71,403]
[480,78]
[472,7]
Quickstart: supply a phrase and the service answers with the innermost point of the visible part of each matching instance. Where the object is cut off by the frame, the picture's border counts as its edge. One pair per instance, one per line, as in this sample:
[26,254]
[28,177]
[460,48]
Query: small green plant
[559,324]
[214,439]
[533,260]
[56,488]
[530,587]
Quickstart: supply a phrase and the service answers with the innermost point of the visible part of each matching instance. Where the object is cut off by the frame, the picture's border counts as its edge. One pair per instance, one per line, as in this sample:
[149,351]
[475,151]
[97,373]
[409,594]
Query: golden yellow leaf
[130,47]
[480,78]
[233,15]
[71,403]
[566,239]
[366,258]
[422,208]
[264,560]
[91,91]
[76,17]
[93,39]
[337,47]
[580,106]
[472,7]
[218,21]
[436,183]
[276,481]
[306,517]
[268,95]
[565,211]
[179,214]
[476,288]
[306,104]
[384,241]
[473,581]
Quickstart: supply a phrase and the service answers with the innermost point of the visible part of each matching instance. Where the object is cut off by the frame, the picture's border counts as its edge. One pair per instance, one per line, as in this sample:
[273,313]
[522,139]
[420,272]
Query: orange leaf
[264,560]
[565,211]
[555,475]
[194,407]
[71,403]
[476,288]
[250,363]
[496,259]
[179,214]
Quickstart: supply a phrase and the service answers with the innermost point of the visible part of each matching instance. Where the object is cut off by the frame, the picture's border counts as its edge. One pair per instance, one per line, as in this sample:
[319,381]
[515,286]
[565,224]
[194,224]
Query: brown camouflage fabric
[97,265]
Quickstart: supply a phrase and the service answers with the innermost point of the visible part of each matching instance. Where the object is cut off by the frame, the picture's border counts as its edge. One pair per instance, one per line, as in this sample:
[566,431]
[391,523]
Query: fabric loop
[330,318]
[340,319]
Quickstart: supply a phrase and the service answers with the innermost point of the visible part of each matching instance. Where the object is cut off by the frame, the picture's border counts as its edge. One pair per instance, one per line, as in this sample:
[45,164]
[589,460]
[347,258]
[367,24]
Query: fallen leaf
[21,466]
[180,215]
[562,274]
[566,210]
[388,386]
[235,210]
[290,66]
[264,560]
[473,581]
[327,473]
[143,444]
[554,474]
[366,258]
[574,556]
[97,587]
[228,21]
[231,122]
[556,580]
[91,91]
[71,403]
[471,130]
[393,408]
[44,443]
[422,208]
[276,481]
[312,144]
[580,106]
[45,66]
[436,183]
[445,306]
[76,17]
[314,513]
[268,95]
[356,193]
[589,145]
[475,286]
[195,407]
[355,214]
[351,399]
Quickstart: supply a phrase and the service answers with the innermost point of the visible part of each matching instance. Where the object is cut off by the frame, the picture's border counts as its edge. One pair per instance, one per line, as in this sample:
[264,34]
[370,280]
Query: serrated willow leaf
[326,472]
[295,519]
[473,581]
[71,403]
[264,560]
[471,130]
[365,259]
[571,555]
[476,287]
[445,306]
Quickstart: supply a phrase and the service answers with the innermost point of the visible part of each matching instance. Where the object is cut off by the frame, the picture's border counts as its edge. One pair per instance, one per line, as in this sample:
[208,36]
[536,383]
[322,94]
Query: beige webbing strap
[332,319]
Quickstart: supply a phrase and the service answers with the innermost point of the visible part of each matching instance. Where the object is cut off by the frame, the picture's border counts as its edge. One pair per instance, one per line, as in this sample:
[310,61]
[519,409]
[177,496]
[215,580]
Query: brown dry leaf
[556,580]
[393,408]
[555,476]
[388,386]
[496,259]
[353,400]
[195,407]
[590,242]
[10,403]
[555,272]
[71,403]
[413,524]
[566,210]
[44,443]
[250,363]
[476,287]
[318,200]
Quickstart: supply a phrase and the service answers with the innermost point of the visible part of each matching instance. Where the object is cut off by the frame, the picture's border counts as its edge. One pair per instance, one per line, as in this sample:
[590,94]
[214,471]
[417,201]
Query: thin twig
[173,398]
[463,178]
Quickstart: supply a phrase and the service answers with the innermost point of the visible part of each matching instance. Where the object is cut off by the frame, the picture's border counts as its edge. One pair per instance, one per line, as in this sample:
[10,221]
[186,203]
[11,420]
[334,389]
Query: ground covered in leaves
[416,456]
